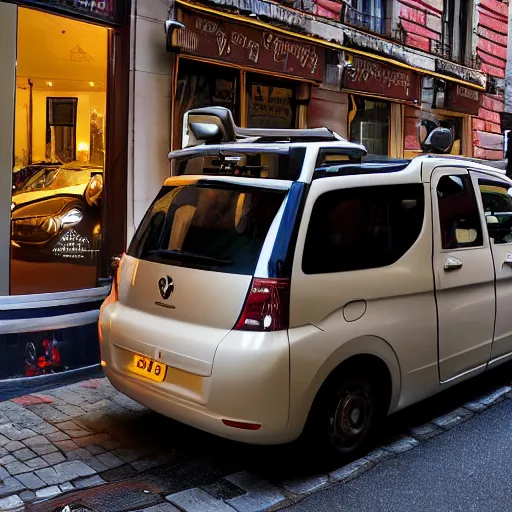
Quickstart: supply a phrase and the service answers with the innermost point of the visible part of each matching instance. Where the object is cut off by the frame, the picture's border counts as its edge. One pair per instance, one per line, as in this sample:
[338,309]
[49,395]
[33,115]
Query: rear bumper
[249,383]
[189,413]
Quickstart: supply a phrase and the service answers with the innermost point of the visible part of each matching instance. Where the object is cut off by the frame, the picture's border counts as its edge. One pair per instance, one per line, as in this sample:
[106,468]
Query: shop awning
[337,36]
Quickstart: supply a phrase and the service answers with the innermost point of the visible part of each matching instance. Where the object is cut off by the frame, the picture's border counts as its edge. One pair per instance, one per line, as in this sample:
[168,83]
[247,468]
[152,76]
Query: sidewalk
[84,447]
[62,440]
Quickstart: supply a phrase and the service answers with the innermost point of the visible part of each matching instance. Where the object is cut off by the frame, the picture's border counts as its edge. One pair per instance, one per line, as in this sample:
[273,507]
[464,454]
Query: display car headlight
[71,218]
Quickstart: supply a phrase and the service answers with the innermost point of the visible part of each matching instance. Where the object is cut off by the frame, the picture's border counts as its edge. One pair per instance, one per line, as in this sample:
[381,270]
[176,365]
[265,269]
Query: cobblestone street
[85,447]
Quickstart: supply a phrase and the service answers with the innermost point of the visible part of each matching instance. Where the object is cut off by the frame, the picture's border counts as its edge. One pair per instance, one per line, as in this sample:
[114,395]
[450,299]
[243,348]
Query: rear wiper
[170,254]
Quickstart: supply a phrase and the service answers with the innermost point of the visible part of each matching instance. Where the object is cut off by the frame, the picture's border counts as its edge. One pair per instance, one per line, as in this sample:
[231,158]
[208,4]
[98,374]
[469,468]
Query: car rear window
[216,227]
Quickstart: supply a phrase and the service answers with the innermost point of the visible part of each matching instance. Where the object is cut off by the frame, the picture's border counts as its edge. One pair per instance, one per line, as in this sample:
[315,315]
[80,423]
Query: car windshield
[53,179]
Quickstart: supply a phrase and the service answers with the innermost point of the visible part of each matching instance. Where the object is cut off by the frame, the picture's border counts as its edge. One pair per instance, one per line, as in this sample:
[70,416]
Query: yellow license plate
[148,368]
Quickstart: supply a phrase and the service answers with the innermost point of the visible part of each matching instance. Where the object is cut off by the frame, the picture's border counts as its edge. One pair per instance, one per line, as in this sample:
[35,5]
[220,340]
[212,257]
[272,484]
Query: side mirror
[491,220]
[208,125]
[210,133]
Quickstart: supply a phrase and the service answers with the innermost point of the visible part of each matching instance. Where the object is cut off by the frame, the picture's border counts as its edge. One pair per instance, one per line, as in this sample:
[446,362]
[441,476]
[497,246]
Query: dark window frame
[364,14]
[474,216]
[483,179]
[457,30]
[50,122]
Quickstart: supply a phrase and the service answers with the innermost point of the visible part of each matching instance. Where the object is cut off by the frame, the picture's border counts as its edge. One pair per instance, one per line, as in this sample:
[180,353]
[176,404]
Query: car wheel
[344,415]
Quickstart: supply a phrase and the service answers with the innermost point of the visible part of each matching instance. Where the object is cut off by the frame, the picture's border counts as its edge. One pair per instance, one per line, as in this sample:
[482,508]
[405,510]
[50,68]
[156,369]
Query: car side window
[362,228]
[497,201]
[458,213]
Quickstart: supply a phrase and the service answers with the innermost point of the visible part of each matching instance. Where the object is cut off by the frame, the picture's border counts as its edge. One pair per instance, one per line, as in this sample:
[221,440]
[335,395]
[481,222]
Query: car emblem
[166,287]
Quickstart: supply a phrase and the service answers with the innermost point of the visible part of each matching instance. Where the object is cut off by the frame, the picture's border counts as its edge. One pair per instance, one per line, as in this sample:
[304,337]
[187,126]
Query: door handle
[508,260]
[452,264]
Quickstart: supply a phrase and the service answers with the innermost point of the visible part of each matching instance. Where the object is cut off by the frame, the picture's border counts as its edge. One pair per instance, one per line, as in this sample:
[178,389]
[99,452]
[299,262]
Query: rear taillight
[267,306]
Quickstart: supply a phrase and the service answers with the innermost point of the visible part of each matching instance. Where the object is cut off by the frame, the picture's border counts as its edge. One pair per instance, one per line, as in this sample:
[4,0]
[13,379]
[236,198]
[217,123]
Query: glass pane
[220,229]
[362,228]
[204,85]
[370,124]
[45,352]
[270,106]
[458,213]
[497,201]
[59,153]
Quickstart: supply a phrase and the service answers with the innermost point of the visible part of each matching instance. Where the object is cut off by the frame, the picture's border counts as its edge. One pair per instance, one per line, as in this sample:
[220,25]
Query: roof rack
[215,125]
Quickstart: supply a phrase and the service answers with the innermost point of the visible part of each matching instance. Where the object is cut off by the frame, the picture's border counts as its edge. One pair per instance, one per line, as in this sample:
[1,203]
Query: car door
[495,194]
[463,273]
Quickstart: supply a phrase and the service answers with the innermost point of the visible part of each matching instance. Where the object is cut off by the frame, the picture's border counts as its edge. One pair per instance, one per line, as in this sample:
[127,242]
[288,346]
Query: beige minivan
[283,283]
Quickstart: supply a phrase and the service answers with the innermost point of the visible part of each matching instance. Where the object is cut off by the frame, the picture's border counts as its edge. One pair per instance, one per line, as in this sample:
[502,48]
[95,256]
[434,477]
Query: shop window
[431,122]
[369,124]
[362,228]
[271,104]
[56,210]
[48,352]
[204,85]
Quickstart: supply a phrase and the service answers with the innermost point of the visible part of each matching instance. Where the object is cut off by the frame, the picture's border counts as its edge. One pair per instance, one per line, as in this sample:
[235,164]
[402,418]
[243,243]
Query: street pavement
[467,469]
[85,447]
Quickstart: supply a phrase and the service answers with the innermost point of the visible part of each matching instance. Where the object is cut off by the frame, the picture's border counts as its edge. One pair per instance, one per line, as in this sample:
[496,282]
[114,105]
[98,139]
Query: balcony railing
[340,10]
[375,24]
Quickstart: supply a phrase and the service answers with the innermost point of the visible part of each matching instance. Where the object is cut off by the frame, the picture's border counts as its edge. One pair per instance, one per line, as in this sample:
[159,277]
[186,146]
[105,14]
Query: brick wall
[421,23]
[491,49]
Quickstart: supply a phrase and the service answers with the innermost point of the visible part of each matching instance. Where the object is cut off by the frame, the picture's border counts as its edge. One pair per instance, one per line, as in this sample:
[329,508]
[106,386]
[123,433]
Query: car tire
[342,420]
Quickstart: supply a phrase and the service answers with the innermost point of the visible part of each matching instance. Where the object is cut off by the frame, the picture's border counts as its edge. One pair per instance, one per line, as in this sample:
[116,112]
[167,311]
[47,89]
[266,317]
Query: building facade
[63,163]
[93,95]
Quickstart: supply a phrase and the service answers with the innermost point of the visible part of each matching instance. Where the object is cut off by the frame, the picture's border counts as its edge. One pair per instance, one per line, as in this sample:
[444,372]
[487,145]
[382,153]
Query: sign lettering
[463,99]
[223,40]
[100,9]
[373,77]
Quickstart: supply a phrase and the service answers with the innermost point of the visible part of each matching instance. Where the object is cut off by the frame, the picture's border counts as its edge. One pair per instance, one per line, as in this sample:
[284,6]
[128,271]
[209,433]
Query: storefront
[377,96]
[443,104]
[63,180]
[263,77]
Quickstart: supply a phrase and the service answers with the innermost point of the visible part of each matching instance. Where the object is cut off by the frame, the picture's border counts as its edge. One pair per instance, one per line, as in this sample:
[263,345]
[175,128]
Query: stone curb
[261,496]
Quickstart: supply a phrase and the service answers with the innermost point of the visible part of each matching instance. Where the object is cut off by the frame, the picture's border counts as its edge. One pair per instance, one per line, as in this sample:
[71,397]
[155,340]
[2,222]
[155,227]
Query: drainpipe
[508,74]
[507,117]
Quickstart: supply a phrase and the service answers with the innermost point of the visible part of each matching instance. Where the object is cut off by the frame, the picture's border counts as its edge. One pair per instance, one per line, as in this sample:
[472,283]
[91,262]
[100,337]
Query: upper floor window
[371,15]
[457,30]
